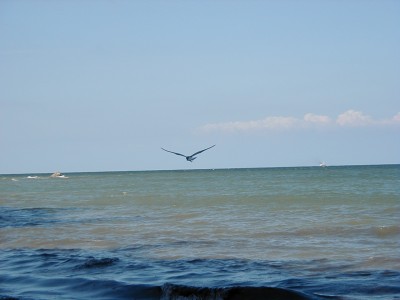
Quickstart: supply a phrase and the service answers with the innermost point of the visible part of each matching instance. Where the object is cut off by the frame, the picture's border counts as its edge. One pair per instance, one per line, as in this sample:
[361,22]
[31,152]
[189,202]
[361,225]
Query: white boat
[323,165]
[58,175]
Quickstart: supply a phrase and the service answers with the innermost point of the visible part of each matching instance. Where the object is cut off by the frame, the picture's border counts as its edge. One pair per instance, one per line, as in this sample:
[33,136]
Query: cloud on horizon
[350,118]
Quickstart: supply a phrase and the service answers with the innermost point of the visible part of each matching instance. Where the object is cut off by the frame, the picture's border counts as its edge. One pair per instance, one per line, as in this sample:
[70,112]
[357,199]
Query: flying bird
[190,157]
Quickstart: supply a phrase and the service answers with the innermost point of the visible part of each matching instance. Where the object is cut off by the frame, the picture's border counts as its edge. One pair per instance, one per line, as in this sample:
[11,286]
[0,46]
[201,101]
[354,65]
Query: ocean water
[273,233]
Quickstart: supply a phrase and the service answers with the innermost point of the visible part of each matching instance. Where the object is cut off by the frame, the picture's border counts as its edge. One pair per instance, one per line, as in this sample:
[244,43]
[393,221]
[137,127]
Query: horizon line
[202,169]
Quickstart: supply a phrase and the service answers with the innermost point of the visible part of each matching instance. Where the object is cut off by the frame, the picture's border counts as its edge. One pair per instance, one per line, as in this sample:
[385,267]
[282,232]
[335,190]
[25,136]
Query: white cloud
[350,118]
[317,119]
[354,118]
[267,123]
[395,119]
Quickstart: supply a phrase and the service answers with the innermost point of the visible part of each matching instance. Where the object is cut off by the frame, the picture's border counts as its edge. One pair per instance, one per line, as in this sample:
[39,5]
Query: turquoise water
[320,232]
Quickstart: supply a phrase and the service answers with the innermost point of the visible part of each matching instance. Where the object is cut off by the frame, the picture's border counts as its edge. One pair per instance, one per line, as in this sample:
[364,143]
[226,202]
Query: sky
[90,86]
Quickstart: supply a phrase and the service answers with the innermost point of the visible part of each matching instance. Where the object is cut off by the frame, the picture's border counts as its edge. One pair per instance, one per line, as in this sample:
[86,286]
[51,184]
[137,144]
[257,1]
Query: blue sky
[102,85]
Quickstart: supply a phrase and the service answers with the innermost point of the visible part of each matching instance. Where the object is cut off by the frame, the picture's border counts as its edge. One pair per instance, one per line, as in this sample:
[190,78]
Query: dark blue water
[77,274]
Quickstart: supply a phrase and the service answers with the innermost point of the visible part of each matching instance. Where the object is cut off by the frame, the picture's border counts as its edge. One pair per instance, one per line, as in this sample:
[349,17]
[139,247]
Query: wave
[171,291]
[99,262]
[27,217]
[387,231]
[47,274]
[86,289]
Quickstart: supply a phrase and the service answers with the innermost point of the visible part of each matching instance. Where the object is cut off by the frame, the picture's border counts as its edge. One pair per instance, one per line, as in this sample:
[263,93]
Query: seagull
[190,157]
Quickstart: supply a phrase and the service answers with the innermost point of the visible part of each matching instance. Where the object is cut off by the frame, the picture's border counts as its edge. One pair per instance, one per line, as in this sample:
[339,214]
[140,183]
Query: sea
[262,233]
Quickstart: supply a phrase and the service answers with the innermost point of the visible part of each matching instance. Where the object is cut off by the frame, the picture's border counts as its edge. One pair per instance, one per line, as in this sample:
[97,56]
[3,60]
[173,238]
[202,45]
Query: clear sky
[103,85]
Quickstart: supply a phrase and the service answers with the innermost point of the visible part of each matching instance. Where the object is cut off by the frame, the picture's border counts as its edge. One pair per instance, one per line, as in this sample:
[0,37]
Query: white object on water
[58,175]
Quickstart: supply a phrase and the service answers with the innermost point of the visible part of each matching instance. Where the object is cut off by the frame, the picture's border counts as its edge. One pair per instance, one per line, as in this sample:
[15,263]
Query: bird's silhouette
[189,157]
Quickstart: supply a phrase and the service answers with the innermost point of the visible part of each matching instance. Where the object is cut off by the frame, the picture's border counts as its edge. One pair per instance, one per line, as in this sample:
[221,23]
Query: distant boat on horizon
[323,165]
[58,175]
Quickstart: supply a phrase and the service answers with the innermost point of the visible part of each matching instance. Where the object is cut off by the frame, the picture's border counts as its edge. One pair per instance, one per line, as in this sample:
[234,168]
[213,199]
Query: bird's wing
[198,152]
[174,152]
